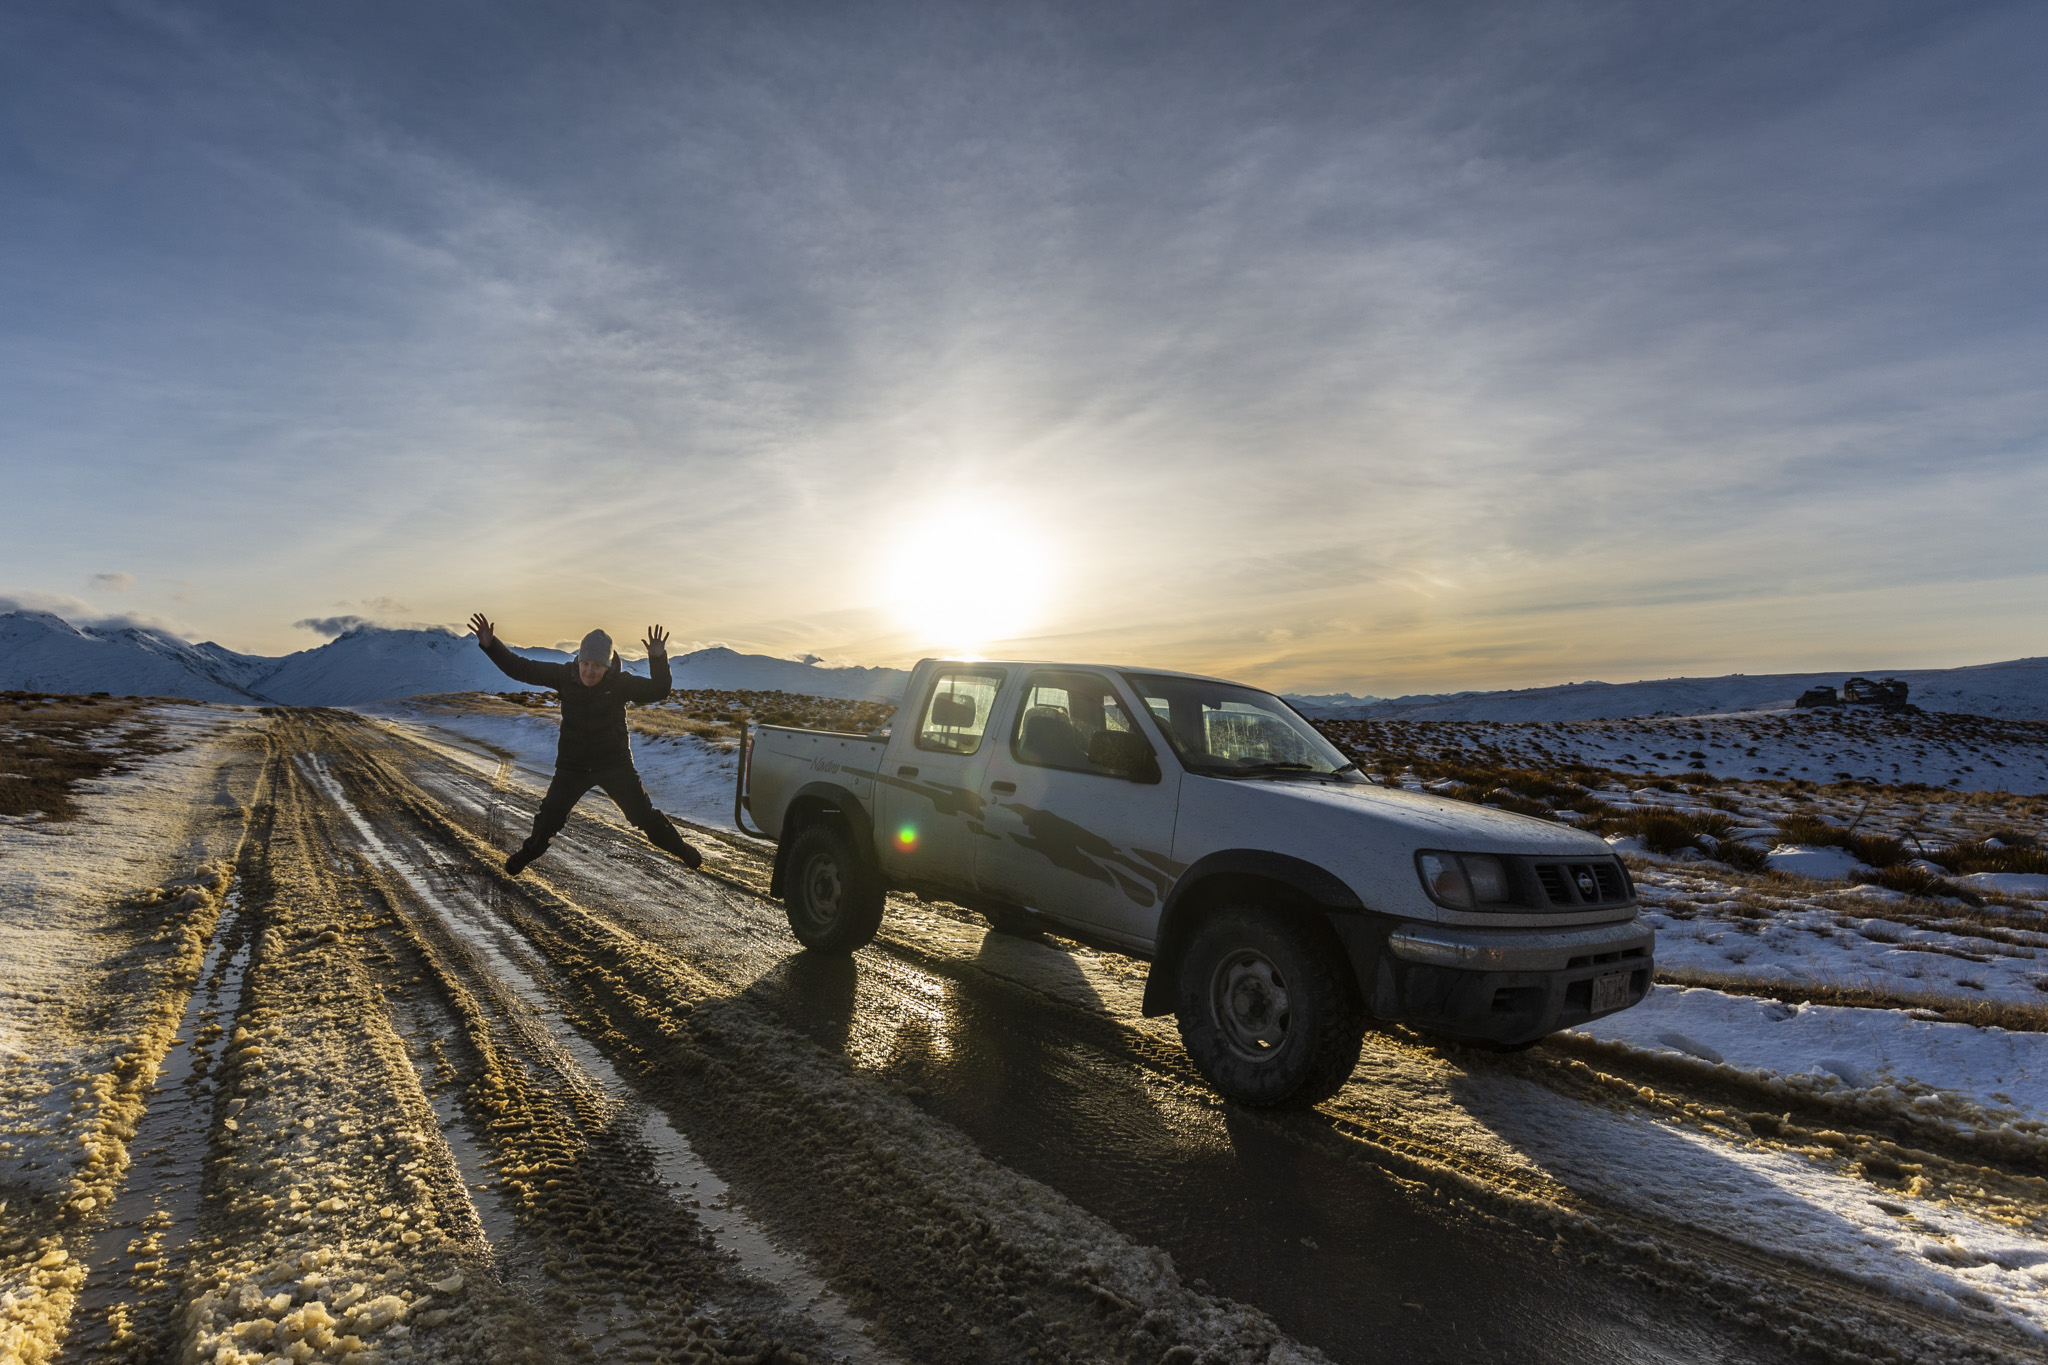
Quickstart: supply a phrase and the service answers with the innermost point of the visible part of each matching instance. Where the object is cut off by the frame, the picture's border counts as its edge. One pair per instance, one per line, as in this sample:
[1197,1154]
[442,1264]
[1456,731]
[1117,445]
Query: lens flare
[906,838]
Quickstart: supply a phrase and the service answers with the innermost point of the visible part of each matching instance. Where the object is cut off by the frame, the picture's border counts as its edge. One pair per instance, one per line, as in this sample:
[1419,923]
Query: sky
[1360,347]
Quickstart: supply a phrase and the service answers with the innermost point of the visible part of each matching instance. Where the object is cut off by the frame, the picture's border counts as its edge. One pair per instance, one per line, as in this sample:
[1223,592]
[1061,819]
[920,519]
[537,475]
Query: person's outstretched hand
[485,634]
[657,642]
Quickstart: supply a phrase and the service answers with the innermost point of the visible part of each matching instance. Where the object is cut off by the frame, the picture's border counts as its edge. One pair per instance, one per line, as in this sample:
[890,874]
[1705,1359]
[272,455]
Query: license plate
[1610,992]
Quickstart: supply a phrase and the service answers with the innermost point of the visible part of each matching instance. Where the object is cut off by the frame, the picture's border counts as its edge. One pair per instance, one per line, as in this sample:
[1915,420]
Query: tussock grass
[1711,832]
[1916,881]
[1964,859]
[1890,856]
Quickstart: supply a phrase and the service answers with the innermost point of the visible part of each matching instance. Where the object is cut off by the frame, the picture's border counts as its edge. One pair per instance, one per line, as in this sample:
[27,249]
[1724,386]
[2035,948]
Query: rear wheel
[834,898]
[1264,1013]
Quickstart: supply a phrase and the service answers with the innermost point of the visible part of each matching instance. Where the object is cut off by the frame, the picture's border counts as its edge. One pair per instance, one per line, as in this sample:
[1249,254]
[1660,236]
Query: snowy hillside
[2014,690]
[43,653]
[372,664]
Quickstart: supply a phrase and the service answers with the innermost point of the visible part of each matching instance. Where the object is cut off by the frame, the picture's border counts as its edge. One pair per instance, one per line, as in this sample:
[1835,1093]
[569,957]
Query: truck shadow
[812,993]
[1012,1048]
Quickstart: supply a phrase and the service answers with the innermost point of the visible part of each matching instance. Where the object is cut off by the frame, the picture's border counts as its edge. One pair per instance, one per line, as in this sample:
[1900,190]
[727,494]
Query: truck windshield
[1222,730]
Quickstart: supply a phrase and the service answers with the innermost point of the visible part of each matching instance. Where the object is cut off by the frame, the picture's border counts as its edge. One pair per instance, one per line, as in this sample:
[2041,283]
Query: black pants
[622,784]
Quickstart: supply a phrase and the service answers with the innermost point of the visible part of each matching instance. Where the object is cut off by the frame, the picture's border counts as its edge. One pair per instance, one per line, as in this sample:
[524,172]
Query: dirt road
[609,1111]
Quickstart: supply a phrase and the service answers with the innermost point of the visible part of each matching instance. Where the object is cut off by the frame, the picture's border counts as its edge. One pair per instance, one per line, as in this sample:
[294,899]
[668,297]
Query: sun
[966,574]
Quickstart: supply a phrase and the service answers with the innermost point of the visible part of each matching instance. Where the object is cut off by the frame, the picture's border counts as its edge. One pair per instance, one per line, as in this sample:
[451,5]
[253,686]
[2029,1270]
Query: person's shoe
[516,864]
[692,859]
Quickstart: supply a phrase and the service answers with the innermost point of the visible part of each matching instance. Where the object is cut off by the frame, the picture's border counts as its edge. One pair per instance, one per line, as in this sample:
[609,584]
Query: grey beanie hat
[595,649]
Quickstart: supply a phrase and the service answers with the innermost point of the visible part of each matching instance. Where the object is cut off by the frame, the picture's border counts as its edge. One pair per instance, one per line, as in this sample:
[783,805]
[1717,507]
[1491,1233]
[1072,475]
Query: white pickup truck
[1282,898]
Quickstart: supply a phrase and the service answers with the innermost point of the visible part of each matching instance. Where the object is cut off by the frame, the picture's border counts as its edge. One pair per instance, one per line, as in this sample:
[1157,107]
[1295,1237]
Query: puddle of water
[160,1199]
[502,947]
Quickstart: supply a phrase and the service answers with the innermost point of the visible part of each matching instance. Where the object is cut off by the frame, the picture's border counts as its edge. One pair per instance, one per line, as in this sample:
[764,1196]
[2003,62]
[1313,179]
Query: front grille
[1582,883]
[1600,959]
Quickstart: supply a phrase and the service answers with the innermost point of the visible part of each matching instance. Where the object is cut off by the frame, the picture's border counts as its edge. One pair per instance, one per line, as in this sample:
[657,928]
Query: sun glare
[966,575]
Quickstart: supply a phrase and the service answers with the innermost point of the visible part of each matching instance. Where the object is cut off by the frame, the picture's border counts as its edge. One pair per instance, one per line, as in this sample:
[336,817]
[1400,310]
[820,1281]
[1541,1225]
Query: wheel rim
[1248,997]
[824,890]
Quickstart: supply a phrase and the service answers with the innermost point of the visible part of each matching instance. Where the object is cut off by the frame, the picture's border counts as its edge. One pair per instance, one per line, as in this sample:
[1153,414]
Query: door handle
[906,771]
[1002,786]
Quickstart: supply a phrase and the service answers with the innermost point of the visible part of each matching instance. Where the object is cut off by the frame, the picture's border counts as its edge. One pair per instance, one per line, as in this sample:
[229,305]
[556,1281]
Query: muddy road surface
[609,1110]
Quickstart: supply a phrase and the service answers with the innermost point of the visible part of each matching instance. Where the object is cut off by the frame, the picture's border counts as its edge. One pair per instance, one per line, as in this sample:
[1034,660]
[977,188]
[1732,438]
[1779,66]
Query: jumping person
[593,751]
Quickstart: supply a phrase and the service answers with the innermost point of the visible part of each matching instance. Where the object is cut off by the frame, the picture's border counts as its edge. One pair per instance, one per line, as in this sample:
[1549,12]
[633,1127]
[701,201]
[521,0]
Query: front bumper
[1496,985]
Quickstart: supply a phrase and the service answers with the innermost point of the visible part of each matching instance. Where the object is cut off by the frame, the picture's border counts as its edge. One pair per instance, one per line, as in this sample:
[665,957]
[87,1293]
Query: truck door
[929,789]
[1082,815]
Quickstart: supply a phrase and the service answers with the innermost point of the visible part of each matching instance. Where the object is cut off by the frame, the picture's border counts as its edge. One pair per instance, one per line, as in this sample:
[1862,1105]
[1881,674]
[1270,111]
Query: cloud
[1409,332]
[332,626]
[111,582]
[87,616]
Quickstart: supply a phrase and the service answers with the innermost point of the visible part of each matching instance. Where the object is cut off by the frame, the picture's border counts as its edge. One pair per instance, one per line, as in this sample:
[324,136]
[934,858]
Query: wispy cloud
[111,582]
[331,627]
[82,613]
[1349,348]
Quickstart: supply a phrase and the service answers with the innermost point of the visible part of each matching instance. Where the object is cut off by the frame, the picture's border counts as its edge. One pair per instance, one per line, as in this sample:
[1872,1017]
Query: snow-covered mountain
[2016,690]
[44,653]
[370,664]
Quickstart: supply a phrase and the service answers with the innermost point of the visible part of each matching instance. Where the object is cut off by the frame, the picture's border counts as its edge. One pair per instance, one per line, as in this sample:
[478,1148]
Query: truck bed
[783,760]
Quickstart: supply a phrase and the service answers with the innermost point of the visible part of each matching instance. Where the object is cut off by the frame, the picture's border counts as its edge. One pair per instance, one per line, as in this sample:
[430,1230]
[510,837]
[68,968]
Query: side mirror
[1123,753]
[952,710]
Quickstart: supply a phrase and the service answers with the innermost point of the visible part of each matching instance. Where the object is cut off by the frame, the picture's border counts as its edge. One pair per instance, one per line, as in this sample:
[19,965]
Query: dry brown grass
[715,715]
[51,743]
[1982,1011]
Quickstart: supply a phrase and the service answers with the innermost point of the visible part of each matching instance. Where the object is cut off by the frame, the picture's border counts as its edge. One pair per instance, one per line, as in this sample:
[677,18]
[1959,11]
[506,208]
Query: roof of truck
[1069,663]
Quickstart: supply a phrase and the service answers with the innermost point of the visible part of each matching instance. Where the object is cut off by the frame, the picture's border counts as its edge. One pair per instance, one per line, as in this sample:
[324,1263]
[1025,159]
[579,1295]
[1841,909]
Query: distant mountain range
[44,653]
[2016,690]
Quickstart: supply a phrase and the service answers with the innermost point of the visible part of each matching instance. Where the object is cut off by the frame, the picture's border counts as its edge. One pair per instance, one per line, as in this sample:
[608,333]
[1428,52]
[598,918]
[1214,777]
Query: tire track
[871,1016]
[597,1186]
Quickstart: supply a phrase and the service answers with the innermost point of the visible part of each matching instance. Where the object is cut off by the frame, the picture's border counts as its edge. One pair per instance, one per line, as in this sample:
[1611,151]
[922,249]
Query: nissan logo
[1588,888]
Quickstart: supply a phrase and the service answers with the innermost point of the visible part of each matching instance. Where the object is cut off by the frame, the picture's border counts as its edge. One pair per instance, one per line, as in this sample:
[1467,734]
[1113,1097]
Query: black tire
[833,897]
[1264,1012]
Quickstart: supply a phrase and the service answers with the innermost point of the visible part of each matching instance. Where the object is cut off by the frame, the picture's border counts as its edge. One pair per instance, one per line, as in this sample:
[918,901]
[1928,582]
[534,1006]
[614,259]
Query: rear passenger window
[956,713]
[1077,721]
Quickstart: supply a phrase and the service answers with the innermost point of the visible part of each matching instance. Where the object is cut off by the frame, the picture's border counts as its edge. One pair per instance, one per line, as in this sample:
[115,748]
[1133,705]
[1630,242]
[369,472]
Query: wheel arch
[1283,883]
[826,801]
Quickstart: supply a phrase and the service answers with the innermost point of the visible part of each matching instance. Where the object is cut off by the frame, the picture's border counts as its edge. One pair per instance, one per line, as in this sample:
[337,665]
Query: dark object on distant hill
[1890,694]
[1818,696]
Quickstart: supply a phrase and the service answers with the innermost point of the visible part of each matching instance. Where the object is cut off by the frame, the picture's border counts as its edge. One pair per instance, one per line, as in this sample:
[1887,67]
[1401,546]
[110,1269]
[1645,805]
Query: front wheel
[834,898]
[1264,1013]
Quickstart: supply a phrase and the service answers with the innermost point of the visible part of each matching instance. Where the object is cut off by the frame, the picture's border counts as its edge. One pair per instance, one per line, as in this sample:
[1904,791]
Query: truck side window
[1062,722]
[956,714]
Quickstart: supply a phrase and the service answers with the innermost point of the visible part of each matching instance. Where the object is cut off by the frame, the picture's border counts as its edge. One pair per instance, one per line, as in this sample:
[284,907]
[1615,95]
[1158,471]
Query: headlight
[1462,881]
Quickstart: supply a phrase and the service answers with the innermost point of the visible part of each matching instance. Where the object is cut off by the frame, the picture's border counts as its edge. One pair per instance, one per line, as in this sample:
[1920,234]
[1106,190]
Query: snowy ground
[687,777]
[104,921]
[435,1082]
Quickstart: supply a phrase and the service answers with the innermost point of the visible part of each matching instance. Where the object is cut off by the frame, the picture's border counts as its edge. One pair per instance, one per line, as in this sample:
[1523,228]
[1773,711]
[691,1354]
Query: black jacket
[593,718]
